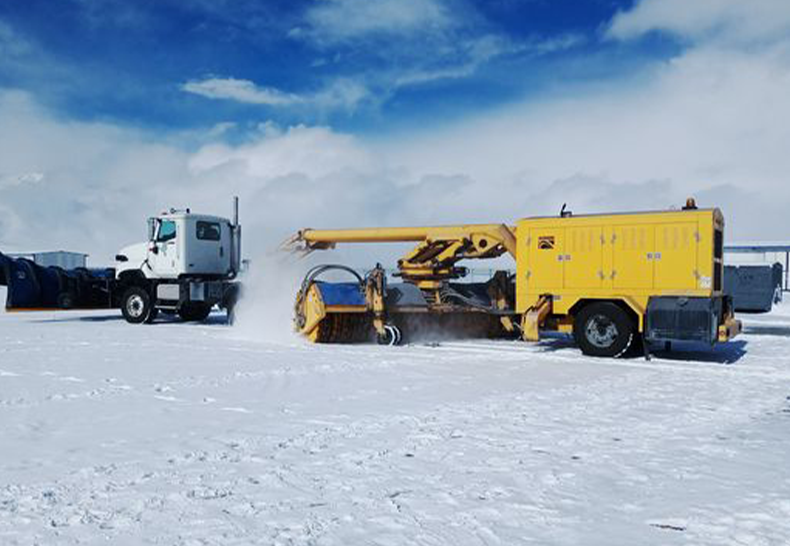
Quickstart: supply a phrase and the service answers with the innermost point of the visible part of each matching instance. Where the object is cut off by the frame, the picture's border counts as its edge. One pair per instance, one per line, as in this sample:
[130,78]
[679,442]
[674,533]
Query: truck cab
[182,244]
[186,266]
[185,244]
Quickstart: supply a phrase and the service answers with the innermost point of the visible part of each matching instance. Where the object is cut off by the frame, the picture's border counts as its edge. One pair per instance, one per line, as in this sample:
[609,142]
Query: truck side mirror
[151,228]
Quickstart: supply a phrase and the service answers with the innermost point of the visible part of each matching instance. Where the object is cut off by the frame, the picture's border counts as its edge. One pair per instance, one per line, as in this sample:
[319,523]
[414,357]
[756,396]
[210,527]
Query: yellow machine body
[564,264]
[620,257]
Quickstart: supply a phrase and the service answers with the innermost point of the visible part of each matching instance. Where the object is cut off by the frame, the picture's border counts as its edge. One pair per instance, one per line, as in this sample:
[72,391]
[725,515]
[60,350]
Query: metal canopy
[756,248]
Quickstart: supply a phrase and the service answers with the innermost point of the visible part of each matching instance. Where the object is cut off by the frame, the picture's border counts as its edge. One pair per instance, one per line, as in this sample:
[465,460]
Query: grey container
[754,288]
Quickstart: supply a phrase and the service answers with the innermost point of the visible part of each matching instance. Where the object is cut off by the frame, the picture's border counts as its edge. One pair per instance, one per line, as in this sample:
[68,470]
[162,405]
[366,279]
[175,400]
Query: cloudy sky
[386,112]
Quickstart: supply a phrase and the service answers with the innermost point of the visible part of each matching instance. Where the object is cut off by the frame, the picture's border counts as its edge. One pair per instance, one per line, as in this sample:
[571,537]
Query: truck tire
[229,302]
[66,300]
[603,329]
[152,315]
[136,305]
[194,311]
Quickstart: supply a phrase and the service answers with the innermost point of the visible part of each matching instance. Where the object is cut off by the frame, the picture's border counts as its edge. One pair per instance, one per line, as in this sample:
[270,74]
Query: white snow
[179,434]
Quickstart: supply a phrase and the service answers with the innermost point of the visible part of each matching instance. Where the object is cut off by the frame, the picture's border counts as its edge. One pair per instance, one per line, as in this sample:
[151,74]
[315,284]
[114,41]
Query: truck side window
[167,231]
[208,231]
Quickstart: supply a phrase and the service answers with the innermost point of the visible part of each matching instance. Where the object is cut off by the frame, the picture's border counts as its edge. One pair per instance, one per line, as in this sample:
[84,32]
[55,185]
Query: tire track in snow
[615,451]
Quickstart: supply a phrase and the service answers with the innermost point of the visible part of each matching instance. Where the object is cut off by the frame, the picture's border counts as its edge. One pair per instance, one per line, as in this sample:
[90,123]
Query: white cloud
[333,21]
[450,57]
[313,152]
[342,93]
[240,91]
[19,179]
[470,55]
[710,124]
[89,187]
[707,116]
[404,42]
[11,43]
[752,21]
[560,42]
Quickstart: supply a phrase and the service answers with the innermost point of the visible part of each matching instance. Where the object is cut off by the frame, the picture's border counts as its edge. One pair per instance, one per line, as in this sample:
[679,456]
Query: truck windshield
[167,231]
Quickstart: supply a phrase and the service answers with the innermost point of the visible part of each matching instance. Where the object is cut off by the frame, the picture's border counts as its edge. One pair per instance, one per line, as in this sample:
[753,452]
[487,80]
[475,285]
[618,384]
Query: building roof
[757,247]
[31,252]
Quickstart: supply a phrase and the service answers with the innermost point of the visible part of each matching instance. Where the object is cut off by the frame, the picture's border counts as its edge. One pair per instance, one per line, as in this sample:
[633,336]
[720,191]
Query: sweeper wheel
[392,336]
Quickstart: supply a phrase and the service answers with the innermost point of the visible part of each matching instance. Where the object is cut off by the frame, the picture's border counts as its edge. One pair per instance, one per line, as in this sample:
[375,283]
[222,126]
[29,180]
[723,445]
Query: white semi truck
[189,264]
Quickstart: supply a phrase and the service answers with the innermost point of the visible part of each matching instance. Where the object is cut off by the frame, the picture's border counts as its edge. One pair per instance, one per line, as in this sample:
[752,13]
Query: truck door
[209,251]
[545,259]
[164,260]
[676,256]
[583,257]
[632,256]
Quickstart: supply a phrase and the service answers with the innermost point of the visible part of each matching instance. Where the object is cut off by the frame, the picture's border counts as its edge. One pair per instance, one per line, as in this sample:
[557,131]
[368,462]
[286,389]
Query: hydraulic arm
[433,260]
[429,267]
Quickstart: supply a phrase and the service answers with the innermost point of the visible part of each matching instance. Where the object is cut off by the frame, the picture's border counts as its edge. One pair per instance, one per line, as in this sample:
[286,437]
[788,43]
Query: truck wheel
[392,336]
[194,312]
[152,315]
[603,329]
[66,300]
[136,305]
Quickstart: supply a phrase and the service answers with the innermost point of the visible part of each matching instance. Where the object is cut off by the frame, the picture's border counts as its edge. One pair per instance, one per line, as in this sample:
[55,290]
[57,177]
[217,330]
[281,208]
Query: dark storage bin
[753,288]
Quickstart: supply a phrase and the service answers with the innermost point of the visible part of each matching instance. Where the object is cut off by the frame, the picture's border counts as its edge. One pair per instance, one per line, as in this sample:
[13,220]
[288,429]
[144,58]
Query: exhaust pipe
[235,244]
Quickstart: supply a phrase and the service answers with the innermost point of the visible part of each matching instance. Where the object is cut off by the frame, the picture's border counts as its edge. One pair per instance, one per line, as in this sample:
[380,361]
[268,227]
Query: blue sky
[347,113]
[358,65]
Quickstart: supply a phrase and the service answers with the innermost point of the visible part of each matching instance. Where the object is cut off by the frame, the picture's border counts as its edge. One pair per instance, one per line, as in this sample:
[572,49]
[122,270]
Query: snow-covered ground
[192,434]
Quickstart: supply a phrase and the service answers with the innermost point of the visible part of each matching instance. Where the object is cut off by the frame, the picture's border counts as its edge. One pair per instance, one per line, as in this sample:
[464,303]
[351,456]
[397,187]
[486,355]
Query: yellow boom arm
[432,261]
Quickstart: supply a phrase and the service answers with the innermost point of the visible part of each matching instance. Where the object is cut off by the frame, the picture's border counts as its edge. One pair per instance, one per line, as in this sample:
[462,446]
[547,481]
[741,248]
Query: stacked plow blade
[35,287]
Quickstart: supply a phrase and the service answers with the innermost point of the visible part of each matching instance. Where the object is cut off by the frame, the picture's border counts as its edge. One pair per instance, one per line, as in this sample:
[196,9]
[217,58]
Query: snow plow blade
[32,287]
